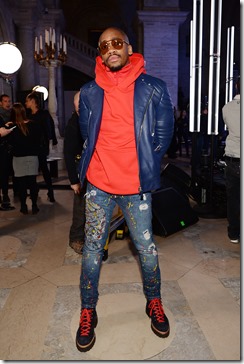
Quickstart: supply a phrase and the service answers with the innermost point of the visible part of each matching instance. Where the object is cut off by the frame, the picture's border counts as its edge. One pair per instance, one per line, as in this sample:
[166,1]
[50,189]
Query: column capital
[26,15]
[34,15]
[161,43]
[161,4]
[162,16]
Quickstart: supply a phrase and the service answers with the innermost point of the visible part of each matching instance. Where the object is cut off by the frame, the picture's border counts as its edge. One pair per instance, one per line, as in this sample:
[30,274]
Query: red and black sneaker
[85,336]
[159,321]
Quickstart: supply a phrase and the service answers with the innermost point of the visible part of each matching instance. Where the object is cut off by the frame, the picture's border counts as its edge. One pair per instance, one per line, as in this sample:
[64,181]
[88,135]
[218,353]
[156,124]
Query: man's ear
[130,50]
[101,57]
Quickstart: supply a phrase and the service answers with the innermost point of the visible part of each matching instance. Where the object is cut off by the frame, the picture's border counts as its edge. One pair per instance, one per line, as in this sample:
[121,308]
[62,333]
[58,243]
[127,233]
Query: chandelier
[49,50]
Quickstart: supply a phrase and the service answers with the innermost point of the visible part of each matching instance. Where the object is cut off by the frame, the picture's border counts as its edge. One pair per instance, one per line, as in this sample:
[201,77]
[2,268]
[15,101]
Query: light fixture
[10,58]
[42,89]
[50,50]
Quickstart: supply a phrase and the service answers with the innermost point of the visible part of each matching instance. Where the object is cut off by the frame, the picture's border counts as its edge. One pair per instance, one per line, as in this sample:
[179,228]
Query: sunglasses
[116,44]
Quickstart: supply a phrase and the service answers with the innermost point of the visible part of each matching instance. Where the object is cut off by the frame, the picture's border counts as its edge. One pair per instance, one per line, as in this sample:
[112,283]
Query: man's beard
[116,68]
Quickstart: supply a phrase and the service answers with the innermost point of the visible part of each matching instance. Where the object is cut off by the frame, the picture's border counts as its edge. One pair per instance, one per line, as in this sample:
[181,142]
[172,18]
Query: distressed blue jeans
[138,215]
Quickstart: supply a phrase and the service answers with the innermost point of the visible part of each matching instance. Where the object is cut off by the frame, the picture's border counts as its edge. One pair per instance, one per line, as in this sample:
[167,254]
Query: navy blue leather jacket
[154,123]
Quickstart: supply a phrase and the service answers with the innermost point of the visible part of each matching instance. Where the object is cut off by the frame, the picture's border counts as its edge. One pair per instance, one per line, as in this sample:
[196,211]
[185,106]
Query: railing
[80,55]
[80,46]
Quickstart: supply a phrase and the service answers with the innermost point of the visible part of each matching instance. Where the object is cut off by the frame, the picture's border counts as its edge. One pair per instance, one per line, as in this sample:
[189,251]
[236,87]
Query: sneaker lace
[85,321]
[156,309]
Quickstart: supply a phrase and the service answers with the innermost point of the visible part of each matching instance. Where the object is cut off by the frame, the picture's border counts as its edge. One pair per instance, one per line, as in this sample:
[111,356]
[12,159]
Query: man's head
[5,102]
[114,48]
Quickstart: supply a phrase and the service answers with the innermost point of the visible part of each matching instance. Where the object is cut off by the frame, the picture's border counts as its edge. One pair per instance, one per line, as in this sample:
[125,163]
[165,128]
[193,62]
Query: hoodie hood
[123,78]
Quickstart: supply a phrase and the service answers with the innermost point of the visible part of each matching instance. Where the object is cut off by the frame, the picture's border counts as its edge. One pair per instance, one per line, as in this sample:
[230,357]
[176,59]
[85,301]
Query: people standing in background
[46,121]
[5,107]
[25,140]
[174,144]
[5,155]
[126,119]
[183,132]
[202,142]
[73,144]
[204,137]
[232,116]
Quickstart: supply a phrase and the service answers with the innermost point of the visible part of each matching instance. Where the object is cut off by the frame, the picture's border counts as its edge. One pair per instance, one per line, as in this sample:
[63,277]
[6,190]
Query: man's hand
[4,131]
[76,188]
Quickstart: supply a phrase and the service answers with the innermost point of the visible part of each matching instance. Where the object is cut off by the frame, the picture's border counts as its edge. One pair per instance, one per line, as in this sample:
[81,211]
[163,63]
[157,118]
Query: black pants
[5,169]
[232,174]
[45,171]
[25,183]
[77,229]
[183,136]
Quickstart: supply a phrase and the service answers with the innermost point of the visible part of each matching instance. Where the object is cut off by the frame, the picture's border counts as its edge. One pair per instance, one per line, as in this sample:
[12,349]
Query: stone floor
[40,301]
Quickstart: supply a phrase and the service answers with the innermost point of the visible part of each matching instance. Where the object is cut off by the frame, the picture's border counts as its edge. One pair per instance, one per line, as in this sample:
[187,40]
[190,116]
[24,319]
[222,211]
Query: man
[231,116]
[43,117]
[5,107]
[73,143]
[126,119]
[5,154]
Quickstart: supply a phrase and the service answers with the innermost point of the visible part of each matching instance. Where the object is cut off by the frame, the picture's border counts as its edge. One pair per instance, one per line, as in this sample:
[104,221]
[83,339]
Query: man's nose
[110,46]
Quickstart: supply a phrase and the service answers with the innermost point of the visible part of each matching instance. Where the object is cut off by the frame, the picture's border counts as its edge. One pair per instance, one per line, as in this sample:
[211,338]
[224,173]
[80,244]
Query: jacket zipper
[90,112]
[140,189]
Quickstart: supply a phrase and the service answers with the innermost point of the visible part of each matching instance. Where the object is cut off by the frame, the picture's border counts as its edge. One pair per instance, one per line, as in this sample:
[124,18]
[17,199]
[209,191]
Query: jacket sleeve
[83,114]
[72,147]
[164,126]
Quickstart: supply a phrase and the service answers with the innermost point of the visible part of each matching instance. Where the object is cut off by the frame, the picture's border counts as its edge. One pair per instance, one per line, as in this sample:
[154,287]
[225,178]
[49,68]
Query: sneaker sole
[86,347]
[160,333]
[234,241]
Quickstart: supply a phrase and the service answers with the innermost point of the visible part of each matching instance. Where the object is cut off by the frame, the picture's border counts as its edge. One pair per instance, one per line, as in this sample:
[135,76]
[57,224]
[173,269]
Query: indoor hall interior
[40,298]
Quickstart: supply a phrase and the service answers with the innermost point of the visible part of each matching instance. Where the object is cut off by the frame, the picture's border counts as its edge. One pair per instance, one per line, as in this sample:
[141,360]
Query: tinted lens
[116,44]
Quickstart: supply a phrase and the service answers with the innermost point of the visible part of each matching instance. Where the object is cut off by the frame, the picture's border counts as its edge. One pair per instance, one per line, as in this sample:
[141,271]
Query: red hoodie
[114,164]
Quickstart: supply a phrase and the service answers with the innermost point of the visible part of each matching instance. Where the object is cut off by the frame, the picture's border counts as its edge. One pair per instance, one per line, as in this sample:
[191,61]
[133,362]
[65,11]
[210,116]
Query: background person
[183,132]
[25,140]
[48,132]
[204,137]
[5,155]
[5,107]
[126,119]
[173,147]
[73,144]
[231,116]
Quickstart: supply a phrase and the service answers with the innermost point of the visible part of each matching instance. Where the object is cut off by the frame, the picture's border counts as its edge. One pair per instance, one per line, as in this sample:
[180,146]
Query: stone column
[32,21]
[25,20]
[55,151]
[161,36]
[27,72]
